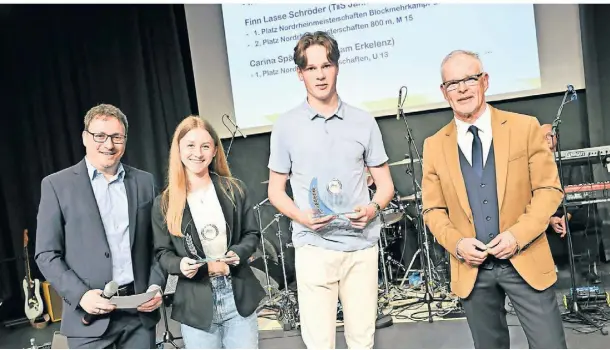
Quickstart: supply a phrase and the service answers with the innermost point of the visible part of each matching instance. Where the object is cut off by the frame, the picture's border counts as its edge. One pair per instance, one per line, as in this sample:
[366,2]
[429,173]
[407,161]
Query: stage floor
[449,334]
[404,333]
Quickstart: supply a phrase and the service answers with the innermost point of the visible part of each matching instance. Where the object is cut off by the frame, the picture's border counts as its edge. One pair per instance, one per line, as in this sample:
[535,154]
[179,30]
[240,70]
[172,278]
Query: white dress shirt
[465,137]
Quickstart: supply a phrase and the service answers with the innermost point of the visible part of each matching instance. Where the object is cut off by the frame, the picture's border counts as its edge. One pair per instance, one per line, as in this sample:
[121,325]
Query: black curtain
[596,59]
[595,30]
[57,62]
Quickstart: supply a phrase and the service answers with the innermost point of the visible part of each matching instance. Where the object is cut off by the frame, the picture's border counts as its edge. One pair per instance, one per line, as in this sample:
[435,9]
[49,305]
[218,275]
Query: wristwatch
[377,208]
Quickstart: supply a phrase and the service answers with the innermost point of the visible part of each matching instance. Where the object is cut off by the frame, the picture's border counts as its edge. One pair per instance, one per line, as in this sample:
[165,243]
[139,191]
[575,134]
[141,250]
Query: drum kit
[270,269]
[395,219]
[269,262]
[395,222]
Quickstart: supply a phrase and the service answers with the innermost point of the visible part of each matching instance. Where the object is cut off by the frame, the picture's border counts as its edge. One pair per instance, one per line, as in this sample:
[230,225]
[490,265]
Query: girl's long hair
[173,199]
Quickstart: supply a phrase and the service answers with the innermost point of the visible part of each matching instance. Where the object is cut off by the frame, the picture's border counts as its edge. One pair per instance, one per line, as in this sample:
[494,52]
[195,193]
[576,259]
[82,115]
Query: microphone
[571,90]
[237,129]
[573,97]
[398,106]
[109,290]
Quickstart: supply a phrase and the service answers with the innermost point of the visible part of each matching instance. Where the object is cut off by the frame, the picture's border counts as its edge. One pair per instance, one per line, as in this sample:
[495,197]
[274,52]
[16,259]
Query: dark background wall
[58,61]
[249,156]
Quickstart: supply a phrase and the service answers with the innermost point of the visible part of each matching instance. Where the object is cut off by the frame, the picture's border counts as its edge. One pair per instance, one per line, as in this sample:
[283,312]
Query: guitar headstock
[26,239]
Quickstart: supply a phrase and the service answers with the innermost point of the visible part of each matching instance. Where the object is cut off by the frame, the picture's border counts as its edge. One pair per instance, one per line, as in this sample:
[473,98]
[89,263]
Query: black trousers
[537,311]
[125,331]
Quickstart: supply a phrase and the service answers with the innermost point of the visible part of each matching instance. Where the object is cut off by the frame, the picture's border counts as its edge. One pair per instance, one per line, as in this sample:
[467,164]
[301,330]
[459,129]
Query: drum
[276,282]
[394,212]
[270,251]
[391,216]
[257,264]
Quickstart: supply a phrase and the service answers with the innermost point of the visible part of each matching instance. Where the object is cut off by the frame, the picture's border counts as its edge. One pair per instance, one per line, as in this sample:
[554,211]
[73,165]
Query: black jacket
[193,300]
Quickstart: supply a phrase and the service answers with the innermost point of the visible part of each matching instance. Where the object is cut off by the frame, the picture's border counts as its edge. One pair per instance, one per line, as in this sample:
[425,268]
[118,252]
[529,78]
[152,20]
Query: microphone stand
[422,237]
[226,116]
[574,310]
[257,207]
[168,337]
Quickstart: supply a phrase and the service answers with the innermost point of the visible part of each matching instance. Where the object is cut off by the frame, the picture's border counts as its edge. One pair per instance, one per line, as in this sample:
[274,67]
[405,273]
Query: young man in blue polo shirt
[324,145]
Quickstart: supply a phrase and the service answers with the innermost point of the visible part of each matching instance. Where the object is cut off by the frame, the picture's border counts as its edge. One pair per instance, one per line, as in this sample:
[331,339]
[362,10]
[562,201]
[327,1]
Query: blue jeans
[229,329]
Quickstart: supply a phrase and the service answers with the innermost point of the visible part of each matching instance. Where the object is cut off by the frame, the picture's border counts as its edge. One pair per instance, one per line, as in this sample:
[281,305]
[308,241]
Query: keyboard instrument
[598,192]
[584,155]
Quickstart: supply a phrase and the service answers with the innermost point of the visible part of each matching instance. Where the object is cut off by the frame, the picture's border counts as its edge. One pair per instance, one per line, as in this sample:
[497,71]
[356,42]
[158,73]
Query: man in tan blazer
[490,185]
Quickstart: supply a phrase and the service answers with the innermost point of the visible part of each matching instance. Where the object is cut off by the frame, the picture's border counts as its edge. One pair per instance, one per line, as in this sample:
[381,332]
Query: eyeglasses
[469,81]
[100,137]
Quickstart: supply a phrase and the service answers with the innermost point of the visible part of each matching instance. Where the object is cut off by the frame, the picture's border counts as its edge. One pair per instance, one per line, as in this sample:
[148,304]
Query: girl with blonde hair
[205,231]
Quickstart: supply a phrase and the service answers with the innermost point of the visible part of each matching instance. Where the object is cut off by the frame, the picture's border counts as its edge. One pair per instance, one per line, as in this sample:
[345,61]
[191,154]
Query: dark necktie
[477,151]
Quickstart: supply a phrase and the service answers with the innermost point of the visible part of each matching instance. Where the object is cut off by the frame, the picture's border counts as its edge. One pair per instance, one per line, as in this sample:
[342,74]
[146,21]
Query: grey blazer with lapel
[72,251]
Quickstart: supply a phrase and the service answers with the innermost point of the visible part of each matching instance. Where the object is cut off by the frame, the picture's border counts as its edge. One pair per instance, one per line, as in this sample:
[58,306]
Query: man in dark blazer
[94,227]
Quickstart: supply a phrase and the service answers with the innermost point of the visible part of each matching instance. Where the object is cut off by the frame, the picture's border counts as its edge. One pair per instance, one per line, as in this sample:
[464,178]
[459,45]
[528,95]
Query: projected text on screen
[383,47]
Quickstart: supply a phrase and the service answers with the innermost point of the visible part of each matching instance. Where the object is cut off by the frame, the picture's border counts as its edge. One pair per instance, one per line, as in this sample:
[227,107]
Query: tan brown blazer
[528,189]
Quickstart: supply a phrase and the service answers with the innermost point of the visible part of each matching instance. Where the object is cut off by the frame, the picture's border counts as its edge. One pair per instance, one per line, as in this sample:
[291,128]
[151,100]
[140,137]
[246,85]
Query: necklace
[210,231]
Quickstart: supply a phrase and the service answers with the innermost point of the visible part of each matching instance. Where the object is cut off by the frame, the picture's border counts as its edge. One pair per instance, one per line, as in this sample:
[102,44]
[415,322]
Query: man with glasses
[490,185]
[94,227]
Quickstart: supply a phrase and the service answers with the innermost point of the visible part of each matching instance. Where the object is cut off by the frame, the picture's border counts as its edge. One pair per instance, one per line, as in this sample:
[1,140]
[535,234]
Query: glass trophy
[319,207]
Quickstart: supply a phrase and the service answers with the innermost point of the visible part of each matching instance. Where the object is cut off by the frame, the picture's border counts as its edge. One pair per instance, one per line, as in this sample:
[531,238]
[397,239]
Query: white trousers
[322,276]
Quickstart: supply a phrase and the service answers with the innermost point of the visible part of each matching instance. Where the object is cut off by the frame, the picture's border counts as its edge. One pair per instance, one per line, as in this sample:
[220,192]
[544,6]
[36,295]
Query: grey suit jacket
[72,251]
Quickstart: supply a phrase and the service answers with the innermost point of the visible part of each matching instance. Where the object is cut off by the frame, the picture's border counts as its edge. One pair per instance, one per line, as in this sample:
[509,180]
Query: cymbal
[410,198]
[392,218]
[404,161]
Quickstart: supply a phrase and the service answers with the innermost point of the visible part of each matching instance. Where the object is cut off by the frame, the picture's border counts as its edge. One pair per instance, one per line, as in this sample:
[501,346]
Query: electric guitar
[31,288]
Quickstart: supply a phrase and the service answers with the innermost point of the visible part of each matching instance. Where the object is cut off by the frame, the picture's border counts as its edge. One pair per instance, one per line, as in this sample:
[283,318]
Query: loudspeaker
[53,301]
